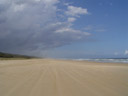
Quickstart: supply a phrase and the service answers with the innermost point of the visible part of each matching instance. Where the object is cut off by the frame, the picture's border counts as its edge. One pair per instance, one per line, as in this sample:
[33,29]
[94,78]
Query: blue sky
[64,29]
[108,23]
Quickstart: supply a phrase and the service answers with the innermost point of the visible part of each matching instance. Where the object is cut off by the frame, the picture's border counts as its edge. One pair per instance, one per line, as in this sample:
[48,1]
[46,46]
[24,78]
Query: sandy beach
[48,77]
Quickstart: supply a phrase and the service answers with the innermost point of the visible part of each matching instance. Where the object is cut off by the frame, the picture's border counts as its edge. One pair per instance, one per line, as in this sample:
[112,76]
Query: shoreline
[70,60]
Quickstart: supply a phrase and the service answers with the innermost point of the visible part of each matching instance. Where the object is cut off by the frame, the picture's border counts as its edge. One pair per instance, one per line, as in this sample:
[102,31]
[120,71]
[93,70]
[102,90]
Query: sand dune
[45,77]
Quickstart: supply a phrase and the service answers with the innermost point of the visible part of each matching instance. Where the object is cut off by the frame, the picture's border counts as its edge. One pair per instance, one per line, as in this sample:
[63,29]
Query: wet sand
[48,77]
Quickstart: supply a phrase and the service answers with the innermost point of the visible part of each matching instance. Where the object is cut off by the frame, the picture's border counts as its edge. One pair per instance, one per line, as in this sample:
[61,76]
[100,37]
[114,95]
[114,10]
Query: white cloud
[71,19]
[76,11]
[70,30]
[72,34]
[126,52]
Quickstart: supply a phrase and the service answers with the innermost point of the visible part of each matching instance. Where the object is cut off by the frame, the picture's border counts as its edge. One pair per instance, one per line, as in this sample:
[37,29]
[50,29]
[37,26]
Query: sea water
[112,60]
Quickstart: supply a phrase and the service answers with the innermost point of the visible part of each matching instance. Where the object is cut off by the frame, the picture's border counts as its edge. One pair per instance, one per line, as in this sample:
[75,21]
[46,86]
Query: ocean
[110,60]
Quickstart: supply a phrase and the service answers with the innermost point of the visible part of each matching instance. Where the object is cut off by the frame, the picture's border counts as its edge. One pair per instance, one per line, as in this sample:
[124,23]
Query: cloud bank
[36,25]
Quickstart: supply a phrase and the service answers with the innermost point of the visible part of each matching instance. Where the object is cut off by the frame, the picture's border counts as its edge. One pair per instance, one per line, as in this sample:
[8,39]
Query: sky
[64,29]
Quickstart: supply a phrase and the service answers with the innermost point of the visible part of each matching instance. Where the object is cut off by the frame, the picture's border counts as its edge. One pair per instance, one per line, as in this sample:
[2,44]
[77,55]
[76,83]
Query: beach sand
[48,77]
